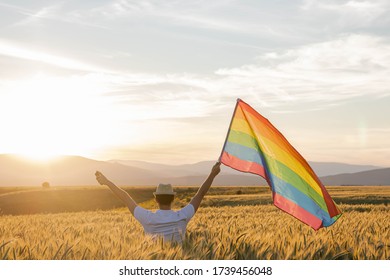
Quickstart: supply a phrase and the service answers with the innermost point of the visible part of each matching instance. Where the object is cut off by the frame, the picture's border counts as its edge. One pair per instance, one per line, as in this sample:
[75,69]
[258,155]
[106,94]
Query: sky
[158,80]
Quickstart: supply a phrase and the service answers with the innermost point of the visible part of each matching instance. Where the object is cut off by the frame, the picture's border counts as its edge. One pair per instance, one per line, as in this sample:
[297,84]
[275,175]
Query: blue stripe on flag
[243,152]
[290,192]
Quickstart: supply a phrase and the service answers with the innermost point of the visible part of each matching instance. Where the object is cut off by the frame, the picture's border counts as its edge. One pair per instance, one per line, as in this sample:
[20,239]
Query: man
[169,224]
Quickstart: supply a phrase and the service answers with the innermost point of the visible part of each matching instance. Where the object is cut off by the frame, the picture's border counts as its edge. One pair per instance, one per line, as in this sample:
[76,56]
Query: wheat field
[216,232]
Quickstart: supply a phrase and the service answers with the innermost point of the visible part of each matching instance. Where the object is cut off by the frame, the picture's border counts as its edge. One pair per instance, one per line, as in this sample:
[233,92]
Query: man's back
[169,224]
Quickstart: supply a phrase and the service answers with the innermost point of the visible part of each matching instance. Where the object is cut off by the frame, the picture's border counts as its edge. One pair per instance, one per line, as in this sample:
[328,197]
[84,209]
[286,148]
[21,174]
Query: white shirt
[169,224]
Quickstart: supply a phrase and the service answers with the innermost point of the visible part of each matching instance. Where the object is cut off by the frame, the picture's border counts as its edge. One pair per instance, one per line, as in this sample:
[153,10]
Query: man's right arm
[120,193]
[197,199]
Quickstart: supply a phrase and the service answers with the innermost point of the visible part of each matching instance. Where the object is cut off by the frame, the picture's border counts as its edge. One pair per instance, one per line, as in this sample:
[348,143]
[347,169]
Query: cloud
[327,72]
[57,12]
[350,13]
[322,74]
[217,16]
[124,91]
[35,16]
[319,75]
[311,77]
[11,49]
[373,7]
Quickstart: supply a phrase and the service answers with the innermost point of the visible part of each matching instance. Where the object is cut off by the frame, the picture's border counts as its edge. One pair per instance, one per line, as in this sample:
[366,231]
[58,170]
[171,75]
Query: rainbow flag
[254,145]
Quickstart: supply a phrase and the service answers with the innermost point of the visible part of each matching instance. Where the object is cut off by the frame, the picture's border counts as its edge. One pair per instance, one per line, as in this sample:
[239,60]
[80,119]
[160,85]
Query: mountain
[67,170]
[76,170]
[193,169]
[220,180]
[375,177]
[166,170]
[333,168]
[203,167]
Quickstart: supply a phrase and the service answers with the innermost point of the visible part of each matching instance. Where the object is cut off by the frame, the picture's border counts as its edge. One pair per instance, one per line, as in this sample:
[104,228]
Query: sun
[39,154]
[45,117]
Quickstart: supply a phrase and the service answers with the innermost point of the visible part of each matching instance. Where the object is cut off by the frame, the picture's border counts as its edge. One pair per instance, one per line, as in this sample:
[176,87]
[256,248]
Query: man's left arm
[197,199]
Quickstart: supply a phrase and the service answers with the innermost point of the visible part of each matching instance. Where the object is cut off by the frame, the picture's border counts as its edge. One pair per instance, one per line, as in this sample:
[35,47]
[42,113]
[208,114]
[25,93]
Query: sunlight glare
[48,116]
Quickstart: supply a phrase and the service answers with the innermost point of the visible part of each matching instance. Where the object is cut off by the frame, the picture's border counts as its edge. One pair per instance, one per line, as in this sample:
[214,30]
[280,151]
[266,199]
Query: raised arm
[197,199]
[120,193]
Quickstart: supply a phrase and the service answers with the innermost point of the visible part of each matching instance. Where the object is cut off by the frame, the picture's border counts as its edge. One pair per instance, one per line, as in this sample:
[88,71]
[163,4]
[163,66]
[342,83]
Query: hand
[216,169]
[101,178]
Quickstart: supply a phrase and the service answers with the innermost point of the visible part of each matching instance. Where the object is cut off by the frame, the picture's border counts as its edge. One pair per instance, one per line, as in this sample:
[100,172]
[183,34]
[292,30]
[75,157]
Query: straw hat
[164,189]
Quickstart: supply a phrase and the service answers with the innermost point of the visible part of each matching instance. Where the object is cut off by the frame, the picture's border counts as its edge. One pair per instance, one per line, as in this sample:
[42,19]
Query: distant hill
[76,170]
[375,177]
[67,170]
[334,168]
[220,180]
[193,169]
[203,167]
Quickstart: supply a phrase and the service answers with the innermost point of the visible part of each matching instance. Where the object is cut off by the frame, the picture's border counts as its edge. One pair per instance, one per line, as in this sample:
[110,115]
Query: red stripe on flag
[290,207]
[242,165]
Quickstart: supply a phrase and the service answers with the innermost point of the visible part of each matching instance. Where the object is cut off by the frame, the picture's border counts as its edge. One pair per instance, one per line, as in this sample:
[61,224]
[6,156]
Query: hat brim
[157,193]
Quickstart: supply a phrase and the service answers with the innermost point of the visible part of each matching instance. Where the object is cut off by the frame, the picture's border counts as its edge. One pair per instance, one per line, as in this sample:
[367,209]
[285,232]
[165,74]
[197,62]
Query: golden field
[232,223]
